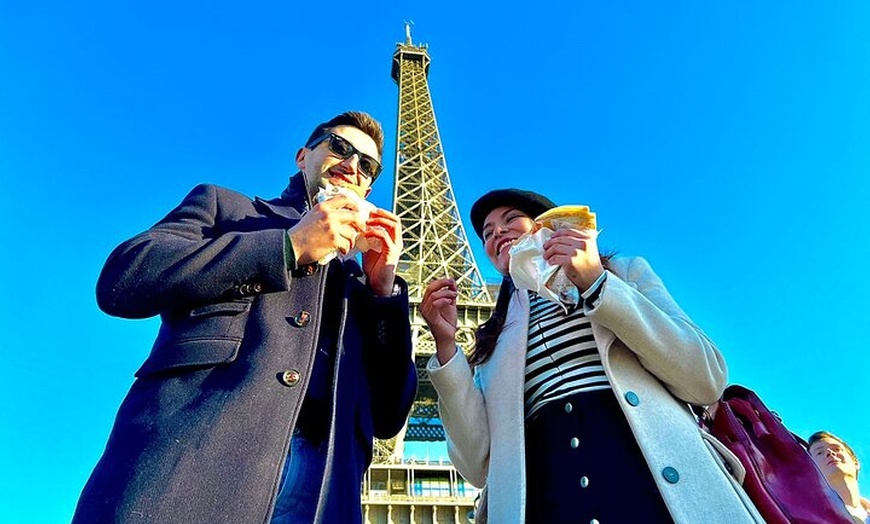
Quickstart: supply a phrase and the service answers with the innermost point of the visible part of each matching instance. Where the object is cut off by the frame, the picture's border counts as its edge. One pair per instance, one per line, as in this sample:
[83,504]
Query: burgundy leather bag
[781,477]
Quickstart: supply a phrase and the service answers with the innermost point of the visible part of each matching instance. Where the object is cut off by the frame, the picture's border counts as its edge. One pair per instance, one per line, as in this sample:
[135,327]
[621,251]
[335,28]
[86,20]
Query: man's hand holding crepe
[342,221]
[331,225]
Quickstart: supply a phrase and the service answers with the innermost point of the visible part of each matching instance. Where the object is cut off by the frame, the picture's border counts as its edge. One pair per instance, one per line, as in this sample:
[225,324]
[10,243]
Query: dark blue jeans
[300,481]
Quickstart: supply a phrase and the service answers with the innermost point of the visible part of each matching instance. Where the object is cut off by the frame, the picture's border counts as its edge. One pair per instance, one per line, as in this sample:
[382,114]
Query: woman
[580,414]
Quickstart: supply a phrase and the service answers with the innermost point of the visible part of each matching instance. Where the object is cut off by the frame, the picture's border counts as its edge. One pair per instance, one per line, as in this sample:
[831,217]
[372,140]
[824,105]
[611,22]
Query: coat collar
[294,201]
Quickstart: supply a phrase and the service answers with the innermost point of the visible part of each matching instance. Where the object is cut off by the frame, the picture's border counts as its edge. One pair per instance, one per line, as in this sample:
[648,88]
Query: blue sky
[728,144]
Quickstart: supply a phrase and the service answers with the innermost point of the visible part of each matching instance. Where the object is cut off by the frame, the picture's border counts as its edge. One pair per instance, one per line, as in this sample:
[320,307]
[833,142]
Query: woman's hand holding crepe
[559,259]
[576,252]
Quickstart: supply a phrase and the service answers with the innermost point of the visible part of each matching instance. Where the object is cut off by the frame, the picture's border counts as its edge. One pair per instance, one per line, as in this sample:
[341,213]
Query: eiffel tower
[435,242]
[435,246]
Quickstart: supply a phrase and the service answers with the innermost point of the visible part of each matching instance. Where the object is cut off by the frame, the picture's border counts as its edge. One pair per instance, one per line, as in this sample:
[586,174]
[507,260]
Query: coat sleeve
[189,259]
[463,410]
[390,369]
[638,309]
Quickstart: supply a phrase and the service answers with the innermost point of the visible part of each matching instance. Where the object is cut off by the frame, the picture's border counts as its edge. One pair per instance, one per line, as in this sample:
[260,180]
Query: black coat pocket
[205,336]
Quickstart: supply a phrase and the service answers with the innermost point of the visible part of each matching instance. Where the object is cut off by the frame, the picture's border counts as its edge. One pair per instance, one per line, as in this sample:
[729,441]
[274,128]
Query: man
[271,372]
[839,464]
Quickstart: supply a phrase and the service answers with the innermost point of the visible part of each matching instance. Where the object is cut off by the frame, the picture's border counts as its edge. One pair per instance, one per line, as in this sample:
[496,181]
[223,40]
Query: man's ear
[300,158]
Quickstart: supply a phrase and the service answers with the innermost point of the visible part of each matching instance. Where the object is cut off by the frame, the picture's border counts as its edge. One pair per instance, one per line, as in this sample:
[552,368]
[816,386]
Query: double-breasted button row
[575,443]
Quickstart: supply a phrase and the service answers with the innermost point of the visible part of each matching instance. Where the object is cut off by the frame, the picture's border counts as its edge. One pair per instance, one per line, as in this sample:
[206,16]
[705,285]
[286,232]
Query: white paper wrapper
[360,243]
[529,270]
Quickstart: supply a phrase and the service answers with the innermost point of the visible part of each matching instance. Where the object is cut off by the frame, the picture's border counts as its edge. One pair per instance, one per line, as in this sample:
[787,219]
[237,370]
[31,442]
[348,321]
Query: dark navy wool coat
[204,431]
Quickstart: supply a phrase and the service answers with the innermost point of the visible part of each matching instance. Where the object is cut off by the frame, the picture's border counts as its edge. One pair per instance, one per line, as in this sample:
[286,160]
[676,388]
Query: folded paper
[529,270]
[361,244]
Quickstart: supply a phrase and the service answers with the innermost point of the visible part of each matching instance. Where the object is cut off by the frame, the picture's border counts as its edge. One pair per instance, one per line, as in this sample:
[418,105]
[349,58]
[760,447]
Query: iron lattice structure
[435,243]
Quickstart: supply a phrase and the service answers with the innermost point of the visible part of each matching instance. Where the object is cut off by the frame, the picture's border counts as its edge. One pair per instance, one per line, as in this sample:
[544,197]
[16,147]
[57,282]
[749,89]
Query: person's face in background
[833,459]
[501,228]
[322,162]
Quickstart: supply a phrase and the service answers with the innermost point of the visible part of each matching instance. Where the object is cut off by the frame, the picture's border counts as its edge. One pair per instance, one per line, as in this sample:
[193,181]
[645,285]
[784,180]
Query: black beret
[528,202]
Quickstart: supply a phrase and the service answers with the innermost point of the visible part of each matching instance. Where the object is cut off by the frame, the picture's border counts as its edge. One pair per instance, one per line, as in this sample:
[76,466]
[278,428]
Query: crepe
[529,270]
[574,217]
[357,194]
[360,192]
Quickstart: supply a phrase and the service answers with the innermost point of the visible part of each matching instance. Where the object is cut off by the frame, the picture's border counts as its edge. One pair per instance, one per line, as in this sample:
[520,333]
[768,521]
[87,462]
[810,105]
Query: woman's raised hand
[438,308]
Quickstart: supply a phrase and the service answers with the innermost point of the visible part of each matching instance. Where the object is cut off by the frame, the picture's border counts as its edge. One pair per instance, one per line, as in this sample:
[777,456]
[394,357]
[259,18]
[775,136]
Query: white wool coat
[652,354]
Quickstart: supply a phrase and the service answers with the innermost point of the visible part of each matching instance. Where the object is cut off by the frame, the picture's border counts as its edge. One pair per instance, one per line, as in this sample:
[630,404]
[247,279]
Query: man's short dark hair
[362,121]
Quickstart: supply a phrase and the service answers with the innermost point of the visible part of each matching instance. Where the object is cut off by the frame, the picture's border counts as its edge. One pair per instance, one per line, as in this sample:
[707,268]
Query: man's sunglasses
[340,147]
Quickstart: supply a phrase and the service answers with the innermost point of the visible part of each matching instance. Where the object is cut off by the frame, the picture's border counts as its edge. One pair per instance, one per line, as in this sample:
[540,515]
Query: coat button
[584,481]
[671,475]
[302,319]
[632,398]
[575,442]
[290,377]
[568,407]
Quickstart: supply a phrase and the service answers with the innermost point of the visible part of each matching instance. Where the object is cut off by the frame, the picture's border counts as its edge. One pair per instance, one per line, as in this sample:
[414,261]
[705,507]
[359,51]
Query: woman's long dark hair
[487,333]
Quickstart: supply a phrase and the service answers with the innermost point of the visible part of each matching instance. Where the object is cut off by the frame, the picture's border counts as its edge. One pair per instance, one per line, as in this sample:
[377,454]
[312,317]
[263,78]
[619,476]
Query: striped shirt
[562,356]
